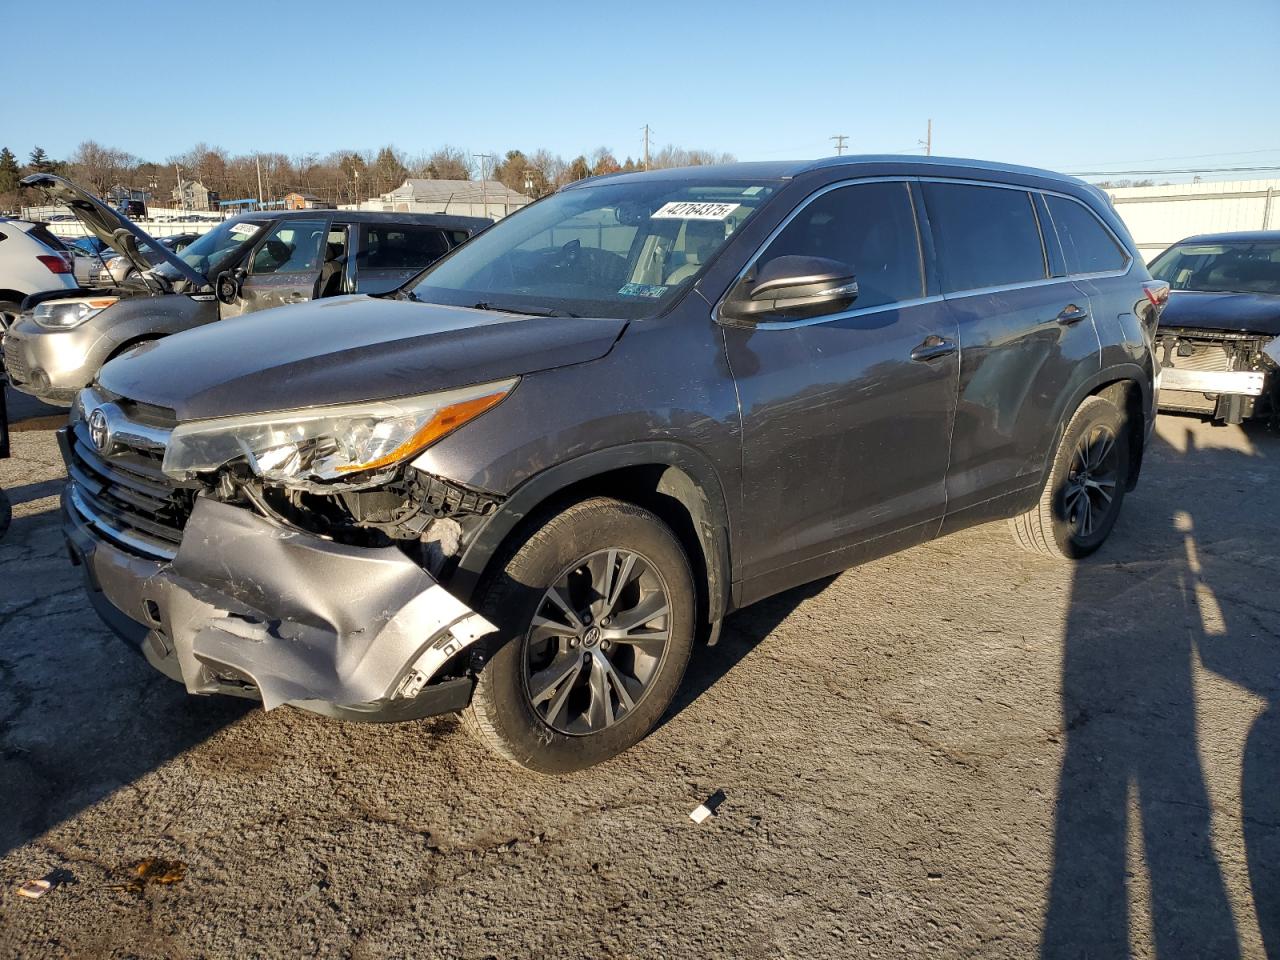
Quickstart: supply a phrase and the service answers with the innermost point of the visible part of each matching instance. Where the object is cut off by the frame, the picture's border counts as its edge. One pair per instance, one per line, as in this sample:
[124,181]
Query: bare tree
[101,167]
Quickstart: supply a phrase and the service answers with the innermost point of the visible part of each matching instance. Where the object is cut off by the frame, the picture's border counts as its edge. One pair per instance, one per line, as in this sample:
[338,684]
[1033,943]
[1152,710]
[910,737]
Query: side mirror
[792,288]
[227,286]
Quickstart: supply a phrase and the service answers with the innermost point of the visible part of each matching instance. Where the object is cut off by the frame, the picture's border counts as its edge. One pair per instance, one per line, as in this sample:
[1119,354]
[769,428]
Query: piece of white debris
[34,889]
[707,807]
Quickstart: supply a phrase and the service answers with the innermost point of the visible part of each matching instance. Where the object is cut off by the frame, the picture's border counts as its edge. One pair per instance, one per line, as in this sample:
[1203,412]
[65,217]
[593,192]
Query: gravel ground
[956,751]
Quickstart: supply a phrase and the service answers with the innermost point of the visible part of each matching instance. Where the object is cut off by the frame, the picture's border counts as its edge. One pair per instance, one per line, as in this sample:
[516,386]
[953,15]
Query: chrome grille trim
[123,495]
[132,540]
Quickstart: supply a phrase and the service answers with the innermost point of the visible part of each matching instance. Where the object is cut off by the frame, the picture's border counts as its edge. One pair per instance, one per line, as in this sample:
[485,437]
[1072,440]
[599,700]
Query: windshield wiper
[525,311]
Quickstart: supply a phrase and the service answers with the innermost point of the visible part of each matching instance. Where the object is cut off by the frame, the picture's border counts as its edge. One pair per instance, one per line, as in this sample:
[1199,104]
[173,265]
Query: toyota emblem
[100,430]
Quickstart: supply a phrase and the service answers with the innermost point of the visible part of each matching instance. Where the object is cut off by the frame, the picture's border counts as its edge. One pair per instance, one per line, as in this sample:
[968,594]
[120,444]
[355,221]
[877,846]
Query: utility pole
[484,180]
[927,142]
[182,197]
[839,138]
[647,131]
[257,159]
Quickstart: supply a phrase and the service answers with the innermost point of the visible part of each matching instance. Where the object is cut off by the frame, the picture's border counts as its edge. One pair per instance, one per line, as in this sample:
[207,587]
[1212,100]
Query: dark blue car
[1217,341]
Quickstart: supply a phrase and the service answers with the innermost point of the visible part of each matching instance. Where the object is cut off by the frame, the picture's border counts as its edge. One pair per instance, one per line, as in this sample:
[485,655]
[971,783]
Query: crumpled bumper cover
[252,608]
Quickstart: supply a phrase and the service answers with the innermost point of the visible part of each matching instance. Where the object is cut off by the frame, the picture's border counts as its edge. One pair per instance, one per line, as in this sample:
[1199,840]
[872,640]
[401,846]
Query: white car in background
[32,260]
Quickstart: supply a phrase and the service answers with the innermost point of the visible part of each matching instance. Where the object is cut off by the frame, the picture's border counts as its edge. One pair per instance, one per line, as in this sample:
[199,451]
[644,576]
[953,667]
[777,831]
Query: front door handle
[932,348]
[1072,314]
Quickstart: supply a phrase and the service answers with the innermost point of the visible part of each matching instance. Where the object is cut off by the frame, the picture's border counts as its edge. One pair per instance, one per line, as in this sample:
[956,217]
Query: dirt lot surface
[958,751]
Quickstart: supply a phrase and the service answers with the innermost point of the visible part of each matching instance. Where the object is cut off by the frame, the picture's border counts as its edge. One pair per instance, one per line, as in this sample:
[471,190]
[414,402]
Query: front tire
[1086,486]
[595,612]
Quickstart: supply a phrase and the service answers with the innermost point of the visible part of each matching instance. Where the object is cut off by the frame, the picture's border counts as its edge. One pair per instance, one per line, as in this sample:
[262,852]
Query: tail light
[55,264]
[1157,292]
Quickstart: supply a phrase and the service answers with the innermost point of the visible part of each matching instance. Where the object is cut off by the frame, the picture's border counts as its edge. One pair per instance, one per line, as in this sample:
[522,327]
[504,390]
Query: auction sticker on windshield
[694,210]
[245,229]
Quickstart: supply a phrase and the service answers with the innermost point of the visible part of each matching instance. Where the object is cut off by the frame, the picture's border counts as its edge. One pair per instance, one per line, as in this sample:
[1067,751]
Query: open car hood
[116,231]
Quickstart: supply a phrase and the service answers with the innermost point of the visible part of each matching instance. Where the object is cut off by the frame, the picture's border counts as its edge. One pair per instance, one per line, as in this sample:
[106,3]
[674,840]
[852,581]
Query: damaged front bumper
[251,608]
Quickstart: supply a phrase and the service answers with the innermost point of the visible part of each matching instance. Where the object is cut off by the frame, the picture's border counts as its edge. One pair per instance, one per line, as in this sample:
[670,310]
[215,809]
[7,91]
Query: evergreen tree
[39,161]
[9,172]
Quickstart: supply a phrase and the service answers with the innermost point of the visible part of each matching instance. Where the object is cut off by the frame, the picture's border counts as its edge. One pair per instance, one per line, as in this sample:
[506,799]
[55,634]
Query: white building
[1160,216]
[467,198]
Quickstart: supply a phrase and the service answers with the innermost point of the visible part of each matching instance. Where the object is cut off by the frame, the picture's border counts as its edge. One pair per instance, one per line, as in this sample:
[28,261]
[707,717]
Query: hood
[1235,312]
[346,350]
[116,231]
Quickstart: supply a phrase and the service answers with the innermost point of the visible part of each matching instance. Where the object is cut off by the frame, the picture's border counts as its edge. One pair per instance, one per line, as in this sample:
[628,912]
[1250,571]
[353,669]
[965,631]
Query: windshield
[1221,267]
[207,254]
[623,250]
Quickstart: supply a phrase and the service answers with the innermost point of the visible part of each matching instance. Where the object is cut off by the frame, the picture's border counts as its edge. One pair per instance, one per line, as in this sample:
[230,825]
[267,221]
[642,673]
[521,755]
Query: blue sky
[1073,86]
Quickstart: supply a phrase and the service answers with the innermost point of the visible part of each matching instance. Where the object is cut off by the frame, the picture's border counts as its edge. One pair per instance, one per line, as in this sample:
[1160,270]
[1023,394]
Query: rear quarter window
[401,247]
[985,236]
[1086,244]
[48,238]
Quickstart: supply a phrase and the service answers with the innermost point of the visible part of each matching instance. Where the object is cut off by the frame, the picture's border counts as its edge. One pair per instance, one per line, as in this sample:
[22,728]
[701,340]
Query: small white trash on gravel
[707,807]
[34,889]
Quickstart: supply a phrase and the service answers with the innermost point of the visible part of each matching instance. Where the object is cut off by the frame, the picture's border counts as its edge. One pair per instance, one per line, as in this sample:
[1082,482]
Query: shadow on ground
[1155,601]
[80,715]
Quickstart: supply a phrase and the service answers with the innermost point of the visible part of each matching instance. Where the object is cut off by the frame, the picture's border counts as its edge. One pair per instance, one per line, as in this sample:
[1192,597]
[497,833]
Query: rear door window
[1086,244]
[292,247]
[985,236]
[401,246]
[869,226]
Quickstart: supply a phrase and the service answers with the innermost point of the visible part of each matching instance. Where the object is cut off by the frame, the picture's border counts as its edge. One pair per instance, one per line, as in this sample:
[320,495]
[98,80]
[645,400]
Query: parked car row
[523,483]
[154,288]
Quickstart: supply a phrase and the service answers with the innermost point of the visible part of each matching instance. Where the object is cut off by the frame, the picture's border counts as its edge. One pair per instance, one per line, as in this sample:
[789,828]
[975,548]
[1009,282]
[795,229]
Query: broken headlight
[327,443]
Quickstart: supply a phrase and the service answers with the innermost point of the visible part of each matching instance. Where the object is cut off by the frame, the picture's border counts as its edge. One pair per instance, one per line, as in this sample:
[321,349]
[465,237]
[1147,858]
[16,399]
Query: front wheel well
[667,492]
[133,342]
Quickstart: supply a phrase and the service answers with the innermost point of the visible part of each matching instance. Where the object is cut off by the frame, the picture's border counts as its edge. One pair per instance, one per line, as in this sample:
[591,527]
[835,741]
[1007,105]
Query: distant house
[305,201]
[119,194]
[475,198]
[193,195]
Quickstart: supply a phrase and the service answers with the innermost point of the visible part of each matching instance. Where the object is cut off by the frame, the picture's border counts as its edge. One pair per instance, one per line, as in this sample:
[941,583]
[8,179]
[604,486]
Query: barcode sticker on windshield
[245,229]
[694,210]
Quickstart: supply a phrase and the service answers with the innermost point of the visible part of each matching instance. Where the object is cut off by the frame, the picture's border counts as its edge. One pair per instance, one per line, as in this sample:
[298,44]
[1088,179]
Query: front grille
[125,497]
[1203,351]
[16,367]
[1203,356]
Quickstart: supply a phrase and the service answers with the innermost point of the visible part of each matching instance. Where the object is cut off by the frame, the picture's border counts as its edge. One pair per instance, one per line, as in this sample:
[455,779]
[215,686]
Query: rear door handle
[932,348]
[1072,314]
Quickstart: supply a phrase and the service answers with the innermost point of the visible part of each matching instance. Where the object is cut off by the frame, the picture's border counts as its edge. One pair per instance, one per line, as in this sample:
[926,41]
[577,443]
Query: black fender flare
[688,476]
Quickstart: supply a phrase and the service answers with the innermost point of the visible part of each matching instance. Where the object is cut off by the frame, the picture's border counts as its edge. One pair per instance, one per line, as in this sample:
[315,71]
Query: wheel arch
[131,342]
[1129,387]
[676,482]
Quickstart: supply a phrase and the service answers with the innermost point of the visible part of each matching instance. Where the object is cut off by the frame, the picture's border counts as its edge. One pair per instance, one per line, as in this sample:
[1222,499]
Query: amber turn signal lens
[442,423]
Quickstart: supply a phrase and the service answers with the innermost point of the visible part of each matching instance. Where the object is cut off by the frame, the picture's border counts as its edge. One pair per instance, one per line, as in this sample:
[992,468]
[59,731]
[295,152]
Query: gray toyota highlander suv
[526,483]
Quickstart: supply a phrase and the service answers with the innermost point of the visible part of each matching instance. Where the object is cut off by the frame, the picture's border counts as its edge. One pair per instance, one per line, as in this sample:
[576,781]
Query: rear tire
[1086,486]
[595,611]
